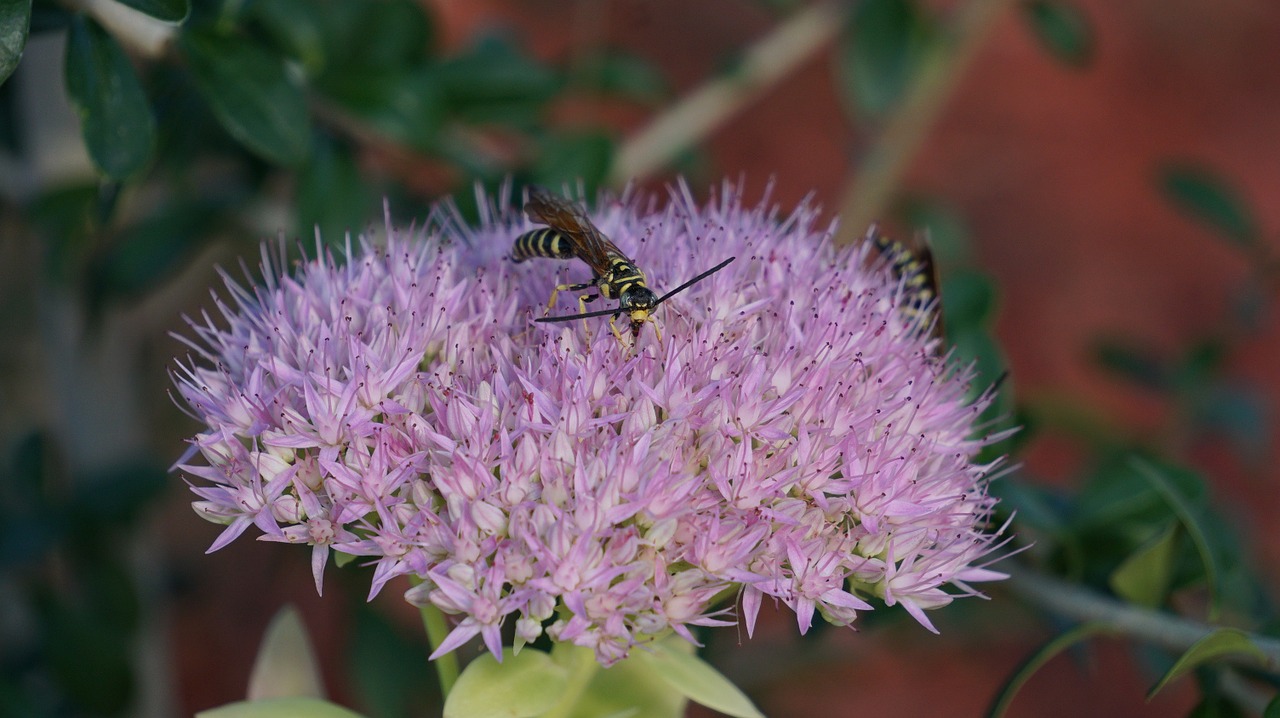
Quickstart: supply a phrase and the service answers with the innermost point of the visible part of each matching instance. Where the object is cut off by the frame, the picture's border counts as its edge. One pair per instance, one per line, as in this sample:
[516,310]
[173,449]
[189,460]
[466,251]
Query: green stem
[1168,631]
[437,629]
[584,666]
[874,183]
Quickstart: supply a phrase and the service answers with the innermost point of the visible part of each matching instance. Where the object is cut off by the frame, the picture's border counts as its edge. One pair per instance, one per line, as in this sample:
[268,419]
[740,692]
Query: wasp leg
[613,324]
[582,309]
[567,288]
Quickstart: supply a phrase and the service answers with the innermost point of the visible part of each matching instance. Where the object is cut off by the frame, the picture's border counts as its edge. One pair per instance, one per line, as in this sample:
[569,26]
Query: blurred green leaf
[1190,515]
[696,679]
[1222,642]
[385,667]
[280,708]
[286,664]
[64,216]
[1241,414]
[1273,709]
[1146,575]
[1133,363]
[15,20]
[393,34]
[494,81]
[630,687]
[948,235]
[1036,661]
[168,10]
[1063,30]
[880,52]
[521,686]
[116,495]
[331,193]
[968,302]
[404,104]
[1208,197]
[115,117]
[252,95]
[573,157]
[89,660]
[616,72]
[150,252]
[297,28]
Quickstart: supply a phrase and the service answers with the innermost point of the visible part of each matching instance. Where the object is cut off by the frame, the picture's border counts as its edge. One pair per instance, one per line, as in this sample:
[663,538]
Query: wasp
[570,234]
[912,264]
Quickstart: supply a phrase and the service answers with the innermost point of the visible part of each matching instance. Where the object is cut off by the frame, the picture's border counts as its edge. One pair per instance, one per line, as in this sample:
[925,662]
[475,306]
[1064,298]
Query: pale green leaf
[1222,642]
[1145,576]
[286,665]
[280,708]
[522,686]
[698,680]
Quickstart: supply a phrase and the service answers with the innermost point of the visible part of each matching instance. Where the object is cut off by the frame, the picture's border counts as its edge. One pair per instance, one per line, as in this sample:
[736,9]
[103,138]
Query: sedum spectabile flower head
[794,435]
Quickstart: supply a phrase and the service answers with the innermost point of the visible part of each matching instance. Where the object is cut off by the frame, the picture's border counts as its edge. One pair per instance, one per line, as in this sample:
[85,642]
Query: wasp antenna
[695,280]
[585,315]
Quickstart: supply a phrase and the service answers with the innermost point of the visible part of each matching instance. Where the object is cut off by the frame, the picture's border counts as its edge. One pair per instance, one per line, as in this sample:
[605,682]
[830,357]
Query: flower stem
[700,112]
[1168,631]
[437,630]
[873,183]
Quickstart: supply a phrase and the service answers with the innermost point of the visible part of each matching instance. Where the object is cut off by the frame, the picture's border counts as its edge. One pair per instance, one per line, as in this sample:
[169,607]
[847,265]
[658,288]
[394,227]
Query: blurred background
[1101,182]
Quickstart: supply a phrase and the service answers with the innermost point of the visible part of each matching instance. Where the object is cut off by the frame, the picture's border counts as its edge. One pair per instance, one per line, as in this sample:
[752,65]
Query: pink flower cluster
[794,435]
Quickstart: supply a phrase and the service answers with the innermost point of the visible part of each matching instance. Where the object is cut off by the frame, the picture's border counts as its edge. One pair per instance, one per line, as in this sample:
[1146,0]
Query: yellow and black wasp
[570,234]
[912,264]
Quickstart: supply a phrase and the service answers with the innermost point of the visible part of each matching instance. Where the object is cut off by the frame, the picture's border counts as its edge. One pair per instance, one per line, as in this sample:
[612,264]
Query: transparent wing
[570,220]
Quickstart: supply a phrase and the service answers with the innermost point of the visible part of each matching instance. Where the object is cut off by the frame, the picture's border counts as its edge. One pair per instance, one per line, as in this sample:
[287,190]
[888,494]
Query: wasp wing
[569,219]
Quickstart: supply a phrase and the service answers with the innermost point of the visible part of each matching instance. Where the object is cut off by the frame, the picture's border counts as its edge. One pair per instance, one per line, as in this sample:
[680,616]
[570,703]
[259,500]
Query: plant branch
[873,183]
[706,108]
[1173,633]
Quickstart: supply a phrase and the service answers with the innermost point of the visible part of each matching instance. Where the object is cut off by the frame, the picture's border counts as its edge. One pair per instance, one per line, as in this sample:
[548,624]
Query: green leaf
[1144,578]
[15,21]
[573,157]
[616,72]
[1063,31]
[1036,661]
[385,666]
[150,252]
[1273,709]
[880,53]
[494,81]
[1209,198]
[631,687]
[331,194]
[89,659]
[522,686]
[296,29]
[968,302]
[1133,363]
[1197,530]
[698,680]
[115,117]
[280,708]
[403,104]
[168,10]
[286,666]
[393,34]
[1222,642]
[251,94]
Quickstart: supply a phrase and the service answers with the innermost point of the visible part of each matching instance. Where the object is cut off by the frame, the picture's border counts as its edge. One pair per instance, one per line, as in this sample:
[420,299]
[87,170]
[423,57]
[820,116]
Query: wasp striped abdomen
[913,265]
[544,242]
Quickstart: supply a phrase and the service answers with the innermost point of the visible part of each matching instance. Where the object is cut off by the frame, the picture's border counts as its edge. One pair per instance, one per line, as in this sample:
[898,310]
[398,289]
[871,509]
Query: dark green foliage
[1063,31]
[114,115]
[879,55]
[1209,198]
[15,19]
